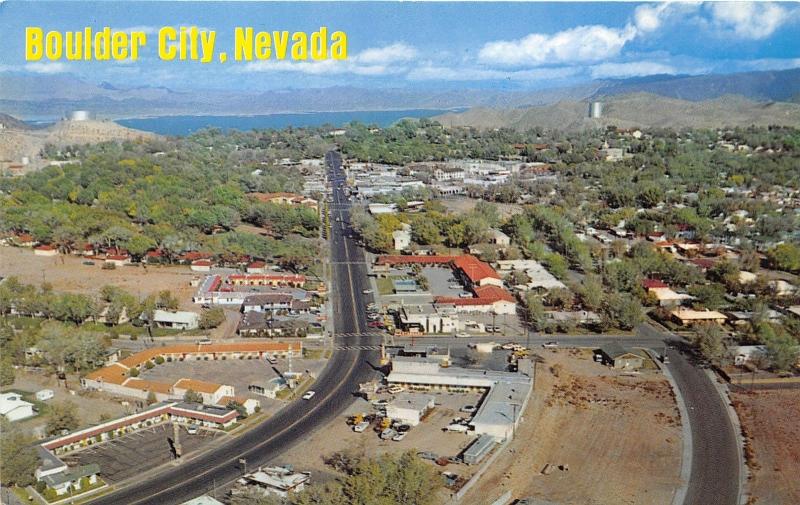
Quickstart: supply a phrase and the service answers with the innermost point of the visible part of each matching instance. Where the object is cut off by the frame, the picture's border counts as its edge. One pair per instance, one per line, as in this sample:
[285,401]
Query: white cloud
[46,68]
[751,20]
[630,69]
[579,44]
[388,54]
[375,61]
[432,72]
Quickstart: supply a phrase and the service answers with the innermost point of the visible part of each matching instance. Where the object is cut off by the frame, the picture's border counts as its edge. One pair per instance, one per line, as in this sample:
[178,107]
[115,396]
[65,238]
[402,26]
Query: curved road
[334,387]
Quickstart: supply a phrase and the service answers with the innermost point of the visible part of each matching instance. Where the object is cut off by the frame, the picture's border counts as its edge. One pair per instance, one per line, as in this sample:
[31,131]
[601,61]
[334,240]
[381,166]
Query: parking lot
[134,453]
[237,373]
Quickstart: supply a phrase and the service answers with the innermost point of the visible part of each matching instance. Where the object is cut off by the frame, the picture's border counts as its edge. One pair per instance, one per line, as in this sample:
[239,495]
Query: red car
[375,324]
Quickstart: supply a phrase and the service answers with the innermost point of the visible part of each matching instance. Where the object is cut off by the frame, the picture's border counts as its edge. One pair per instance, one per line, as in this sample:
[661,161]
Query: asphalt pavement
[335,387]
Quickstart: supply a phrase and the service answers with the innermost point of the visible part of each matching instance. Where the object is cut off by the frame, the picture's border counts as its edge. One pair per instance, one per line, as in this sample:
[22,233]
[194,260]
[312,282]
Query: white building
[409,408]
[402,238]
[14,408]
[427,318]
[540,278]
[180,320]
[506,397]
[498,237]
[273,481]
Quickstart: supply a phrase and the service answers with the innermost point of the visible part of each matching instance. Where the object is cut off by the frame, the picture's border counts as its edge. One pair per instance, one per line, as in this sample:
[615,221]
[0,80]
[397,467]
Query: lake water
[184,125]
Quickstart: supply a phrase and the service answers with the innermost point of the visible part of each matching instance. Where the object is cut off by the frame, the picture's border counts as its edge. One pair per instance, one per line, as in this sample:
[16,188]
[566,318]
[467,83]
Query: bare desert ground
[68,273]
[620,438]
[771,426]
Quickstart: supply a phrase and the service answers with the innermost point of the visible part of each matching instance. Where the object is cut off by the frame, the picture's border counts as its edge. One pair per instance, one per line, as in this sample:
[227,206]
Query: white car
[192,430]
[361,427]
[367,292]
[400,436]
[550,345]
[309,395]
[462,335]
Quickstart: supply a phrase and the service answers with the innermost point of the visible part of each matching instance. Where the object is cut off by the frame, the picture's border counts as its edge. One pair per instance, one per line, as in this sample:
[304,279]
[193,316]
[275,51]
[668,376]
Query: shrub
[133,372]
[149,365]
[159,360]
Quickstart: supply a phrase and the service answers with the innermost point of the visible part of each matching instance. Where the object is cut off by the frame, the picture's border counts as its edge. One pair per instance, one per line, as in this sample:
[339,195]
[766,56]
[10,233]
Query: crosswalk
[357,348]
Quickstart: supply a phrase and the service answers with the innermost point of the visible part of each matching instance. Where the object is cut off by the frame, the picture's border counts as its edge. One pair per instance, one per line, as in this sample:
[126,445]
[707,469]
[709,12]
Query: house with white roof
[14,408]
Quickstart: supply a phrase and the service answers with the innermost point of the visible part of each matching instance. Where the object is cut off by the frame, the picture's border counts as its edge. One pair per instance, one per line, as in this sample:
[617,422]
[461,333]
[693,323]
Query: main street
[334,387]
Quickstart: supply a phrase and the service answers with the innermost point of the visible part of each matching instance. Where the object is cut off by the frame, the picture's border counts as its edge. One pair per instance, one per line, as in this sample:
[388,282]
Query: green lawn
[385,286]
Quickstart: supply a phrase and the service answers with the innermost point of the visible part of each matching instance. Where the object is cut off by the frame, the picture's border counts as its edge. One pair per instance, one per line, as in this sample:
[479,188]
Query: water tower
[79,115]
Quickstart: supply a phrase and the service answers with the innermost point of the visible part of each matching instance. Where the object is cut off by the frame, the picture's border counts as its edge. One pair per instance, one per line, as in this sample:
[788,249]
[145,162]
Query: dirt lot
[68,273]
[140,451]
[620,437]
[770,422]
[90,405]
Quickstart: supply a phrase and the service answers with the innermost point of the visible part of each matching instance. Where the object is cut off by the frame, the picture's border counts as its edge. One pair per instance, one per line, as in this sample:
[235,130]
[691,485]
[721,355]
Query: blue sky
[414,44]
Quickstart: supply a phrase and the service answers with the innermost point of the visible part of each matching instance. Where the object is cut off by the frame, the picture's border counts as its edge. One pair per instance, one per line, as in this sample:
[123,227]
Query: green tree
[62,416]
[623,310]
[211,318]
[192,396]
[151,398]
[785,257]
[19,459]
[710,341]
[6,372]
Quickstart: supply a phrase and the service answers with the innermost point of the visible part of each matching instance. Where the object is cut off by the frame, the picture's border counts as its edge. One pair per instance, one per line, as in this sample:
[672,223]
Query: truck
[457,428]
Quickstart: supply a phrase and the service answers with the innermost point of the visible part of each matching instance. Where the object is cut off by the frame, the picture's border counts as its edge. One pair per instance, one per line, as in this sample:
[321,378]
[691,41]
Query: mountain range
[52,96]
[635,110]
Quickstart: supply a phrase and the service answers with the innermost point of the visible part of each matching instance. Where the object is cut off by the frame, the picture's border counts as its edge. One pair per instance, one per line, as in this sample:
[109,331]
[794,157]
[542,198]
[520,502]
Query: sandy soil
[67,273]
[770,422]
[91,406]
[620,437]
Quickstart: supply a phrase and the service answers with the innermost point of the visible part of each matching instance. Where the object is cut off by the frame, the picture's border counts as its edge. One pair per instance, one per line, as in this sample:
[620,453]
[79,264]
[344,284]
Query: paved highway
[334,387]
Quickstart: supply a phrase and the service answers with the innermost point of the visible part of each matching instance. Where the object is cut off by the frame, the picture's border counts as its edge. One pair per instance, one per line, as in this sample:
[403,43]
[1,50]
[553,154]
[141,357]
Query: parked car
[468,409]
[492,329]
[388,433]
[428,455]
[395,389]
[550,345]
[380,403]
[509,346]
[192,429]
[88,263]
[367,292]
[361,427]
[402,428]
[458,428]
[309,395]
[375,324]
[400,436]
[272,359]
[462,335]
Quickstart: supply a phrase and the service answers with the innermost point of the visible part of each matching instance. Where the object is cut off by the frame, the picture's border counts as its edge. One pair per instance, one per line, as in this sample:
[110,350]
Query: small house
[621,358]
[14,408]
[44,395]
[409,408]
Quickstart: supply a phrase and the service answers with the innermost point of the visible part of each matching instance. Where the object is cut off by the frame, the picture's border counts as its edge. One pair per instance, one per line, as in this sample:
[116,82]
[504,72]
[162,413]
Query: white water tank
[79,115]
[596,110]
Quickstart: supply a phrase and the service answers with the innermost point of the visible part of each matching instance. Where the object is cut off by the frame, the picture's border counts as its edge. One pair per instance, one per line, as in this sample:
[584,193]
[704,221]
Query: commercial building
[539,278]
[501,409]
[116,378]
[273,480]
[14,408]
[409,408]
[426,318]
[181,320]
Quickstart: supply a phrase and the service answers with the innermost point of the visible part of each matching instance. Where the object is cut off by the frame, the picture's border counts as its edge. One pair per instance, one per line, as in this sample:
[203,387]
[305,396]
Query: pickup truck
[458,428]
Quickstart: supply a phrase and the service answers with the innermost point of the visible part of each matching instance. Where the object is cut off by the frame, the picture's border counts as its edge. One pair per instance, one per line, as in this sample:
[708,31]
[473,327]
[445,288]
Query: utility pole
[176,437]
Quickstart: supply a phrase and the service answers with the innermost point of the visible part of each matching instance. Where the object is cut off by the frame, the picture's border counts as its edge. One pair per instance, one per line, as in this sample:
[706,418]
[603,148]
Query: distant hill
[53,96]
[18,140]
[761,86]
[634,110]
